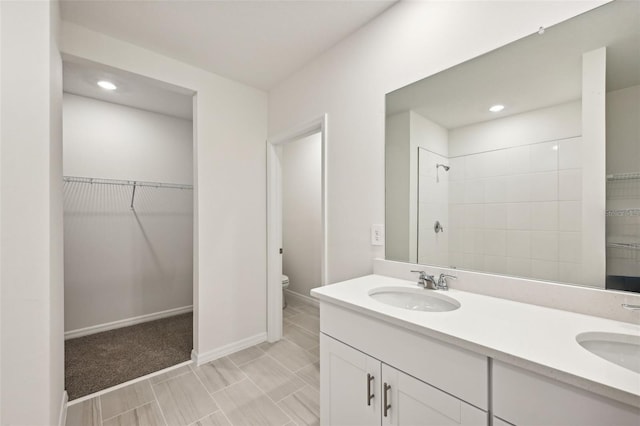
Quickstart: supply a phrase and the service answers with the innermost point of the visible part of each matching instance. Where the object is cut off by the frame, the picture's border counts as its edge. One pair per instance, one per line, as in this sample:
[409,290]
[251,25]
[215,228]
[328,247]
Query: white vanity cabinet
[426,381]
[360,390]
[349,385]
[524,398]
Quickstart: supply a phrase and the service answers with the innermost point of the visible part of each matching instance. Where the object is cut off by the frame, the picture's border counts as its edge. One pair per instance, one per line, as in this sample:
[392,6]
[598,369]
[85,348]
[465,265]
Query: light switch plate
[377,235]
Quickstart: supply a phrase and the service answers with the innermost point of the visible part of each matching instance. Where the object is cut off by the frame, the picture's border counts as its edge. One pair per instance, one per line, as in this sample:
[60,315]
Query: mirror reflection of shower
[445,167]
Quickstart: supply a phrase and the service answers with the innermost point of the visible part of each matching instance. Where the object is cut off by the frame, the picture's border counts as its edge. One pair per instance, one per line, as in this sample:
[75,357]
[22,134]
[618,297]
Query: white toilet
[285,284]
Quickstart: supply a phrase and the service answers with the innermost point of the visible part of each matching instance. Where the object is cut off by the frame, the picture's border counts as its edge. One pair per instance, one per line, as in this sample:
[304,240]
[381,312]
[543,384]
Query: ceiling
[532,73]
[258,43]
[80,78]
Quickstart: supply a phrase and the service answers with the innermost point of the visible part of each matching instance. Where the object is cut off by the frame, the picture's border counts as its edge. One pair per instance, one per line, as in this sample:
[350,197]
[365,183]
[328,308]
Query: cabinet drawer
[525,398]
[459,372]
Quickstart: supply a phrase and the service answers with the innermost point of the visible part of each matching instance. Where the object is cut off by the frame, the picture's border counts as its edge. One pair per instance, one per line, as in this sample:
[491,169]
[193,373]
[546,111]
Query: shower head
[446,168]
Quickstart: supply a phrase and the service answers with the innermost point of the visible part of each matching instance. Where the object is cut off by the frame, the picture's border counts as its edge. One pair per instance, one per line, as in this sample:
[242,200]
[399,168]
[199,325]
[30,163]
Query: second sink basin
[621,349]
[414,299]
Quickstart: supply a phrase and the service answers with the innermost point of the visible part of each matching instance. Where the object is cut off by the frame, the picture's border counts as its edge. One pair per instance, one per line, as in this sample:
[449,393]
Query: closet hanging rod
[134,183]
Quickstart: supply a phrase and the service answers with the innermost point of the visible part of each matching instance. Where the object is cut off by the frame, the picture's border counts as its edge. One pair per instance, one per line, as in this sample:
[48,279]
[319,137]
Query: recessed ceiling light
[496,108]
[107,85]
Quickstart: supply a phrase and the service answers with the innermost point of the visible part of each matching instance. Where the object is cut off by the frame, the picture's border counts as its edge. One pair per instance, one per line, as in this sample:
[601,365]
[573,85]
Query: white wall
[106,140]
[122,263]
[230,199]
[302,213]
[32,358]
[397,189]
[410,41]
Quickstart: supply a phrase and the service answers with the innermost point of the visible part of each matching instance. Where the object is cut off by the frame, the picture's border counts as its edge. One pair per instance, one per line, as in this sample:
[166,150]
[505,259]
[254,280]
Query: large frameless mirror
[525,161]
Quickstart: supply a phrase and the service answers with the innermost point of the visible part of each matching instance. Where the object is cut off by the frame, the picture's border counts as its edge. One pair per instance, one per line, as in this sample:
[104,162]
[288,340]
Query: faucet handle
[442,281]
[423,274]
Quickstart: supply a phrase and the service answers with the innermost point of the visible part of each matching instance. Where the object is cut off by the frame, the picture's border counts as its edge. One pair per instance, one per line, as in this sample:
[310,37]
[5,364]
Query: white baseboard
[126,322]
[225,350]
[63,409]
[302,298]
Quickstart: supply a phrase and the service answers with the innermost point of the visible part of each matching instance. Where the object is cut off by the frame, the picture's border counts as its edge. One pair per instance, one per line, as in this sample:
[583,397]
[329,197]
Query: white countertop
[532,337]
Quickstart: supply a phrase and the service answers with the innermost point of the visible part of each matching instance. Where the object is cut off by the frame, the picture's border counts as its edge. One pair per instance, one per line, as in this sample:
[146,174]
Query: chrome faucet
[424,279]
[442,281]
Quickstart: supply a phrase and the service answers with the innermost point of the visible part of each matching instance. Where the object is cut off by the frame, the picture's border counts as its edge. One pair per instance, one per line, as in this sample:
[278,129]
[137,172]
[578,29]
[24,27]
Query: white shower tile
[472,167]
[570,185]
[495,216]
[473,261]
[519,188]
[519,216]
[570,247]
[544,157]
[474,191]
[456,259]
[519,267]
[495,163]
[518,160]
[495,189]
[473,240]
[544,186]
[455,240]
[519,244]
[456,172]
[569,272]
[457,216]
[544,216]
[456,192]
[569,215]
[495,242]
[570,151]
[474,216]
[495,264]
[544,245]
[544,270]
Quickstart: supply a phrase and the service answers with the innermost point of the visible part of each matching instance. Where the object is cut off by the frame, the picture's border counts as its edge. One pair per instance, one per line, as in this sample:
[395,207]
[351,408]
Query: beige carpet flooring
[102,360]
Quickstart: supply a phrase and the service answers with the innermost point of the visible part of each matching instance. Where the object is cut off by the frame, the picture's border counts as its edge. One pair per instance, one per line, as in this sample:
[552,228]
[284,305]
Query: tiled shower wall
[518,210]
[433,205]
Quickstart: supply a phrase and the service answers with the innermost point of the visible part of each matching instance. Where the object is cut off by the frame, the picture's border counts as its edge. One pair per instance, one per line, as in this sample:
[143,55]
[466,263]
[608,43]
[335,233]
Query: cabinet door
[412,402]
[348,378]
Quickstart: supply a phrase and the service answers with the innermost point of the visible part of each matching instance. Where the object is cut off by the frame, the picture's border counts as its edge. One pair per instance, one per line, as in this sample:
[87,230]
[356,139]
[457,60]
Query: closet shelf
[623,212]
[630,246]
[100,181]
[623,176]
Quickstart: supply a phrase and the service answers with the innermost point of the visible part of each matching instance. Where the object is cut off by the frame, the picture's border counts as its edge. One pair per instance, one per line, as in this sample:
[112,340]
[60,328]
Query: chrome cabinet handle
[369,394]
[387,406]
[631,307]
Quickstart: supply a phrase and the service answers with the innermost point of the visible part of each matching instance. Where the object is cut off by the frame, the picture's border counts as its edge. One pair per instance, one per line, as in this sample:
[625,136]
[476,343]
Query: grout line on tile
[210,394]
[100,408]
[244,363]
[126,411]
[207,415]
[164,419]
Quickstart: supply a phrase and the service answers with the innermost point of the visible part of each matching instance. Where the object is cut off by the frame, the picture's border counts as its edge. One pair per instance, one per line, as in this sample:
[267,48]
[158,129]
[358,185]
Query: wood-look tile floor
[268,384]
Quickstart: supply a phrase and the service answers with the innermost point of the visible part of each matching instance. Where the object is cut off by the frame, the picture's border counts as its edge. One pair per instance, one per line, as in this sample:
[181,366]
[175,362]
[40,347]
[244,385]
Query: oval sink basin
[621,349]
[414,299]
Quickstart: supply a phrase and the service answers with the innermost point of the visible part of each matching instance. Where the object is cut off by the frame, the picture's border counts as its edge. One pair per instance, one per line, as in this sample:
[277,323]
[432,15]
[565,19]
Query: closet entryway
[128,226]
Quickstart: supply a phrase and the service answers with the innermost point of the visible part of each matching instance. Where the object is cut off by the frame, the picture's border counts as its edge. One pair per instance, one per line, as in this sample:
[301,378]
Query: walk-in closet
[128,226]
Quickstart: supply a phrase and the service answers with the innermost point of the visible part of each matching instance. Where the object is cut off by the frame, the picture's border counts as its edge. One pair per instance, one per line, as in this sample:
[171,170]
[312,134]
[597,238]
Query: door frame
[274,216]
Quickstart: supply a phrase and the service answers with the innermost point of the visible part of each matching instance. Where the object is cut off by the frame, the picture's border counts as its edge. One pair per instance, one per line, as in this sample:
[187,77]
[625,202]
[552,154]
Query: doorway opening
[296,200]
[128,226]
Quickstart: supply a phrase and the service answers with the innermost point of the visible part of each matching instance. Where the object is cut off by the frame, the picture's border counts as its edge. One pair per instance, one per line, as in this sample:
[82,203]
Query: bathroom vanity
[486,361]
